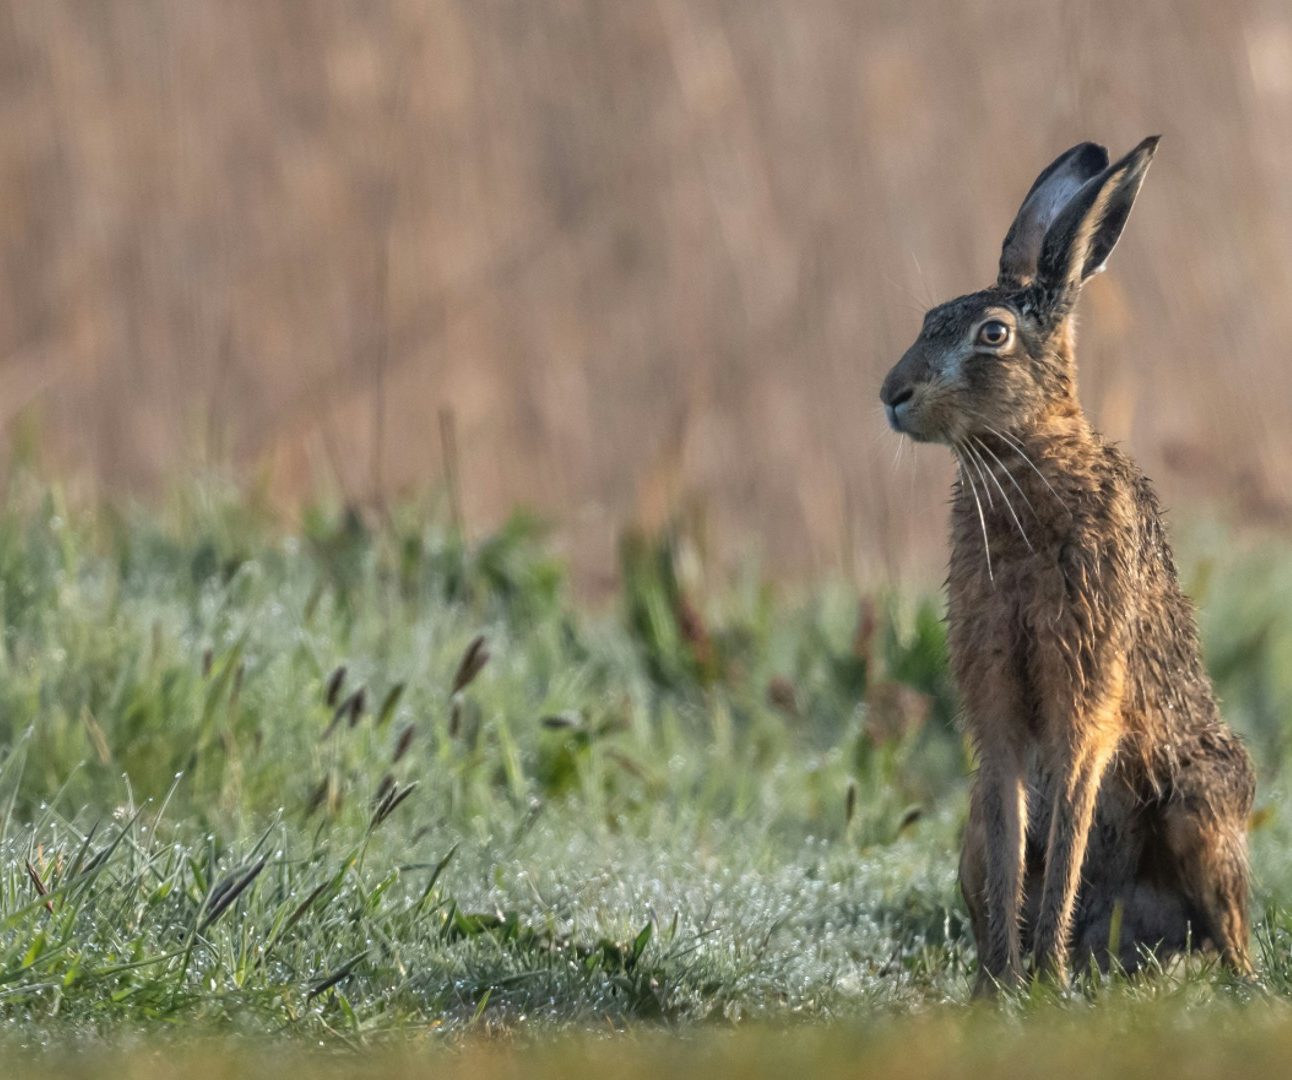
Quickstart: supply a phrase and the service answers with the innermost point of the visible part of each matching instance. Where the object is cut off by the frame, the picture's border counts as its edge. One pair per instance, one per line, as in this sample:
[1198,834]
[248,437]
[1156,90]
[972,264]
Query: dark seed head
[317,796]
[473,661]
[334,684]
[404,741]
[781,696]
[912,815]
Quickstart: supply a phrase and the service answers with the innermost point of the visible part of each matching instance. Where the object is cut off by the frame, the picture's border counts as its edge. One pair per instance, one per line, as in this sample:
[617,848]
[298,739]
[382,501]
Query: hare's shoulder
[1114,507]
[1133,519]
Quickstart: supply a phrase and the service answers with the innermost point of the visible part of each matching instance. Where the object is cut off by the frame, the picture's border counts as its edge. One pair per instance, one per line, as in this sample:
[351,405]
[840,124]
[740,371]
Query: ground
[367,788]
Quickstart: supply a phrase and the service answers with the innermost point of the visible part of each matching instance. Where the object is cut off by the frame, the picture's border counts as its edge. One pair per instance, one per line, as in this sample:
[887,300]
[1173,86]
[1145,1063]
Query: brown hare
[1109,812]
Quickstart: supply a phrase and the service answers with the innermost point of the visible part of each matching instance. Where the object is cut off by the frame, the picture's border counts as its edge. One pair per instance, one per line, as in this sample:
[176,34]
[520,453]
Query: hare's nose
[901,397]
[894,400]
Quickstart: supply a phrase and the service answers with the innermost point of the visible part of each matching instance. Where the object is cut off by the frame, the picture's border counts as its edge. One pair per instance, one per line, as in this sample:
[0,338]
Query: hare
[1108,816]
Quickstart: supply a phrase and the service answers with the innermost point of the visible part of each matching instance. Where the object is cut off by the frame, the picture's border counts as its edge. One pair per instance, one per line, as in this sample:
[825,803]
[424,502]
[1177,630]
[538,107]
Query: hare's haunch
[1109,814]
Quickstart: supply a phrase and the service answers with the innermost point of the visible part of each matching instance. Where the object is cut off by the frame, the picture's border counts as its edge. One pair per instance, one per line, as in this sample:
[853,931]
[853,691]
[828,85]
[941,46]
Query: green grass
[381,788]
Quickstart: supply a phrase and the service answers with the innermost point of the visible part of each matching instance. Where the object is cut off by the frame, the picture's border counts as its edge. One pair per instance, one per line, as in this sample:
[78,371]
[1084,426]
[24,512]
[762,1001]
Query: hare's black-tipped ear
[1078,243]
[1049,194]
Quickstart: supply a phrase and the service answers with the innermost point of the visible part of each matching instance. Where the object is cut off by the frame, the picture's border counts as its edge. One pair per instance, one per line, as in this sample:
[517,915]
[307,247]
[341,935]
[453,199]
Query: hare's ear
[1078,243]
[1050,193]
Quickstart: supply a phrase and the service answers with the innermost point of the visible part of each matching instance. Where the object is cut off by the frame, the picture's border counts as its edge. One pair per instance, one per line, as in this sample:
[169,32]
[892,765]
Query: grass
[380,788]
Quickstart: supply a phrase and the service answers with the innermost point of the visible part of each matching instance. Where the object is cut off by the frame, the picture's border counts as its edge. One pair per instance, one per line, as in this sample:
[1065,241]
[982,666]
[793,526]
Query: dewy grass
[363,785]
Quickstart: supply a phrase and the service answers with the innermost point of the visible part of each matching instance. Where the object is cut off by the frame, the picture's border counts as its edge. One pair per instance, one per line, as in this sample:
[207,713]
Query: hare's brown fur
[1108,816]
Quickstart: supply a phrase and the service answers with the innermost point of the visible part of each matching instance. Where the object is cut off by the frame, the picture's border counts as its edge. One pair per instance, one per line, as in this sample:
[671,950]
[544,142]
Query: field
[376,787]
[641,254]
[330,760]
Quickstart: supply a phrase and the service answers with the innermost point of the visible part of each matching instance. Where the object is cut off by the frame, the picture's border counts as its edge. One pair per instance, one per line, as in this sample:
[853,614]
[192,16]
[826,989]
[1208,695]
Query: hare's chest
[1016,601]
[1003,633]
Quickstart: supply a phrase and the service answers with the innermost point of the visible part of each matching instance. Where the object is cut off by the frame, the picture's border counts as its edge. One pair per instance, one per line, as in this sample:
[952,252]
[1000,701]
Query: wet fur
[1108,815]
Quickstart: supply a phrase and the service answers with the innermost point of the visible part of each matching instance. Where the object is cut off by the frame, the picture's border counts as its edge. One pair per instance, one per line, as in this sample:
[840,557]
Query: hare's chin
[899,419]
[901,423]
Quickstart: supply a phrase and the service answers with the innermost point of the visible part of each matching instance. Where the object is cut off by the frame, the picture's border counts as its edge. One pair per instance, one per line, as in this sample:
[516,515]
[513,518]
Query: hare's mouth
[906,421]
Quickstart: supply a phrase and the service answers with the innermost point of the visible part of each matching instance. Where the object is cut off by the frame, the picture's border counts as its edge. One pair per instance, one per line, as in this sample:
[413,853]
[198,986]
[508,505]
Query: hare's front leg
[992,866]
[995,840]
[1078,774]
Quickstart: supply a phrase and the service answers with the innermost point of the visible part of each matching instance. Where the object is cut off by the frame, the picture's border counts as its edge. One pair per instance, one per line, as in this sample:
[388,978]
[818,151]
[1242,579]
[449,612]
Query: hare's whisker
[984,448]
[928,296]
[985,468]
[982,520]
[1004,468]
[915,304]
[1016,446]
[974,461]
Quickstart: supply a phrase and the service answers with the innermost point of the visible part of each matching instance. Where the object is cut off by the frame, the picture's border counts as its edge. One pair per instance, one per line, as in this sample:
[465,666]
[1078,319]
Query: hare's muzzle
[902,397]
[897,395]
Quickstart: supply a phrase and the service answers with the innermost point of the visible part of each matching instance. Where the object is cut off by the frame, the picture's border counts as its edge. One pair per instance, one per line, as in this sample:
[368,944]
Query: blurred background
[622,262]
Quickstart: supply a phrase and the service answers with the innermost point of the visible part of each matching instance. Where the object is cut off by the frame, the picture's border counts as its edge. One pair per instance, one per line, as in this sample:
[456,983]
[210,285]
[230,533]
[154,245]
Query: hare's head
[1002,358]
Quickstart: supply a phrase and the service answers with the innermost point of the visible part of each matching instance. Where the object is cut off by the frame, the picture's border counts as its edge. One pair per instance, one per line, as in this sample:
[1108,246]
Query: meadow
[343,784]
[370,785]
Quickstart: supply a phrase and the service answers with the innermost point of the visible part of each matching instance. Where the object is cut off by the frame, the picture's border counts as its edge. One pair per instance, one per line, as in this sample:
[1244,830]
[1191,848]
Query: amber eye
[993,334]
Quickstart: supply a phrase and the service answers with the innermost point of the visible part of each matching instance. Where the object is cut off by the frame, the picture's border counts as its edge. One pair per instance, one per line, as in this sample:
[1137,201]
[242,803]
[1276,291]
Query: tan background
[649,254]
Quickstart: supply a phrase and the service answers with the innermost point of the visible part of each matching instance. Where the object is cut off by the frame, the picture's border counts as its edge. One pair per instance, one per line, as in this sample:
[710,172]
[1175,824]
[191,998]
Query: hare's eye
[993,334]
